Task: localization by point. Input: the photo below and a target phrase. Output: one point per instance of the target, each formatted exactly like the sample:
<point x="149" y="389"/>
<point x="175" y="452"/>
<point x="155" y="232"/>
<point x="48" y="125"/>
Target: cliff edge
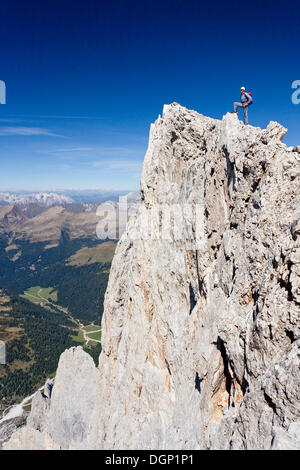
<point x="201" y="320"/>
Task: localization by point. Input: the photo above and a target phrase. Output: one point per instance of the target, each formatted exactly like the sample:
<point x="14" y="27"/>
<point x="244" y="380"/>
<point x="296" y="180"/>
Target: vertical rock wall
<point x="201" y="323"/>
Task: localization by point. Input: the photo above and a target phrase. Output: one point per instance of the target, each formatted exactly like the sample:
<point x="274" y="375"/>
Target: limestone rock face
<point x="287" y="439"/>
<point x="201" y="323"/>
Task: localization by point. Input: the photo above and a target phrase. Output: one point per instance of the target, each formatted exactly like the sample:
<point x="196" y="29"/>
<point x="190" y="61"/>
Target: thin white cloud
<point x="26" y="131"/>
<point x="96" y="152"/>
<point x="75" y="149"/>
<point x="130" y="165"/>
<point x="101" y="149"/>
<point x="12" y="120"/>
<point x="54" y="116"/>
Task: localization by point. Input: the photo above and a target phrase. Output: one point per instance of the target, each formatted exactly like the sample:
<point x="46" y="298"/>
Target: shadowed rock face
<point x="201" y="325"/>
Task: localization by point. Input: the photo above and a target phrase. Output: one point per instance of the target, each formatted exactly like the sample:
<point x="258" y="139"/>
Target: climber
<point x="246" y="100"/>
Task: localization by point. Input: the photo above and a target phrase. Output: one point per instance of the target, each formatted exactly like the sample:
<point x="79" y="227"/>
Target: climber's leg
<point x="246" y="115"/>
<point x="235" y="106"/>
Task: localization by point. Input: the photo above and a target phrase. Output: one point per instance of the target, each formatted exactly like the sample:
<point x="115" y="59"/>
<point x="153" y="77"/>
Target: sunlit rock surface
<point x="201" y="323"/>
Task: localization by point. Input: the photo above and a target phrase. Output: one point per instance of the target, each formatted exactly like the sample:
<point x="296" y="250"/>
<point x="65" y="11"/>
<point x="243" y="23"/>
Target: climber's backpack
<point x="250" y="94"/>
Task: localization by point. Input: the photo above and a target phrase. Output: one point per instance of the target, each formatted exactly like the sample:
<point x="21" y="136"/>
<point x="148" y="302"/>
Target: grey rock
<point x="73" y="399"/>
<point x="8" y="428"/>
<point x="201" y="316"/>
<point x="39" y="408"/>
<point x="48" y="388"/>
<point x="287" y="439"/>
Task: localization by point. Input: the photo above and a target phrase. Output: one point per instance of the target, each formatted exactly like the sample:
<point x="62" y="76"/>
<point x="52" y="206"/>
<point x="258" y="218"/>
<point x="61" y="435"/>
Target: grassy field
<point x="38" y="294"/>
<point x="78" y="338"/>
<point x="102" y="253"/>
<point x="96" y="336"/>
<point x="91" y="328"/>
<point x="27" y="408"/>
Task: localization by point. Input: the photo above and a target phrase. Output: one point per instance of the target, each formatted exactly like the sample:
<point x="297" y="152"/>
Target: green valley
<point x="51" y="298"/>
<point x="73" y="274"/>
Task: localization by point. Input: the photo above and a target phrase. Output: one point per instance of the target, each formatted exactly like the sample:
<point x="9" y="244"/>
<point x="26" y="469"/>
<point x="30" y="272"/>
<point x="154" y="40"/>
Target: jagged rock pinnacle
<point x="201" y="322"/>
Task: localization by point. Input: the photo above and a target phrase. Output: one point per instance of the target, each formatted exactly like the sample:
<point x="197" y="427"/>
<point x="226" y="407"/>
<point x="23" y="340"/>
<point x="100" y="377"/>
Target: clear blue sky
<point x="86" y="78"/>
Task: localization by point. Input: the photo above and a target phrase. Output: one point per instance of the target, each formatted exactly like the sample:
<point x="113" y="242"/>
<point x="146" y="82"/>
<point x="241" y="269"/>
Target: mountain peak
<point x="200" y="338"/>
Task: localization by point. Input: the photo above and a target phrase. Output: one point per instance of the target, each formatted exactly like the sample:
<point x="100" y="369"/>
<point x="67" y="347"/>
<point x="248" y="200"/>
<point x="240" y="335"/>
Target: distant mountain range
<point x="40" y="217"/>
<point x="45" y="199"/>
<point x="63" y="198"/>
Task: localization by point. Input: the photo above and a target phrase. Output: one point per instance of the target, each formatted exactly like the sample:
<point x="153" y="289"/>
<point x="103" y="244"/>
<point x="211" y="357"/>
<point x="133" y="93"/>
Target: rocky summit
<point x="201" y="323"/>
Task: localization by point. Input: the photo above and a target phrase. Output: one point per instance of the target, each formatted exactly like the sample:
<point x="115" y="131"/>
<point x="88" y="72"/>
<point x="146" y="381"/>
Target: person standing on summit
<point x="246" y="100"/>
